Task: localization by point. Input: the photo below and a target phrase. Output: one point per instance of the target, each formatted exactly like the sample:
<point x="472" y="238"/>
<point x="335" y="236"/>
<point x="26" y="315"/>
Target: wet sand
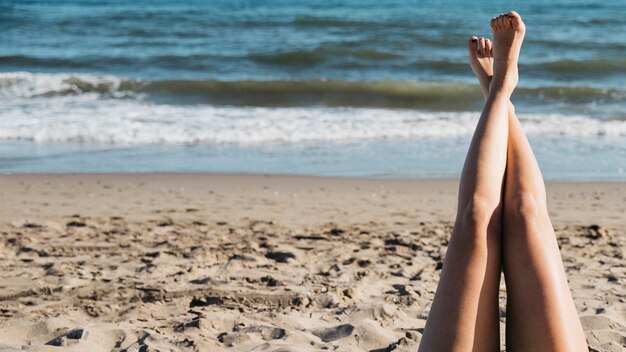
<point x="212" y="262"/>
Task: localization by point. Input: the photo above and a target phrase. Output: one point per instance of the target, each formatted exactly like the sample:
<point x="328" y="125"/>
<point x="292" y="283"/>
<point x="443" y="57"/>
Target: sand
<point x="203" y="262"/>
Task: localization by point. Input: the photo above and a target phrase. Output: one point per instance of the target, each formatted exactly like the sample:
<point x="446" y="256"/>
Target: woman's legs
<point x="540" y="313"/>
<point x="464" y="314"/>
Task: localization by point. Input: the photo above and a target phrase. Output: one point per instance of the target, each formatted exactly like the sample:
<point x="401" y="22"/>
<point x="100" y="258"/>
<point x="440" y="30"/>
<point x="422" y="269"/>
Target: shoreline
<point x="263" y="174"/>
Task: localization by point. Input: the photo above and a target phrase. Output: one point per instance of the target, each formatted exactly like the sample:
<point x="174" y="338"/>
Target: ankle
<point x="503" y="85"/>
<point x="499" y="94"/>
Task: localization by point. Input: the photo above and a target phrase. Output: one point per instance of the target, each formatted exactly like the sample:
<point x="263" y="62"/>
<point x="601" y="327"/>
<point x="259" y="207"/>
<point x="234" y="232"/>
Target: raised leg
<point x="464" y="314"/>
<point x="540" y="312"/>
<point x="541" y="315"/>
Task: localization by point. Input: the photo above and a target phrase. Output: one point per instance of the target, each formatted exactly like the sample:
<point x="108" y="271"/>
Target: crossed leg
<point x="540" y="311"/>
<point x="464" y="314"/>
<point x="541" y="315"/>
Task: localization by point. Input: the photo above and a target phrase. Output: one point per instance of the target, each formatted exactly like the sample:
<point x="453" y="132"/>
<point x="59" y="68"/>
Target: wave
<point x="344" y="56"/>
<point x="325" y="22"/>
<point x="95" y="62"/>
<point x="290" y="58"/>
<point x="608" y="66"/>
<point x="355" y="24"/>
<point x="445" y="96"/>
<point x="45" y="62"/>
<point x="297" y="57"/>
<point x="129" y="122"/>
<point x="313" y="57"/>
<point x="33" y="85"/>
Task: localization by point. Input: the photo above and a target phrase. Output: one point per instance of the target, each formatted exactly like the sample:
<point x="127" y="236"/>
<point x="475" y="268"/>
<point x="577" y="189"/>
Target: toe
<point x="501" y="22"/>
<point x="493" y="23"/>
<point x="471" y="43"/>
<point x="514" y="14"/>
<point x="516" y="20"/>
<point x="496" y="22"/>
<point x="481" y="47"/>
<point x="506" y="22"/>
<point x="488" y="48"/>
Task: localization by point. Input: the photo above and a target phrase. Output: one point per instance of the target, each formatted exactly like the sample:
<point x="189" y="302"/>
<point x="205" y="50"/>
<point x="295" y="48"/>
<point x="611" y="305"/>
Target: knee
<point x="477" y="214"/>
<point x="524" y="209"/>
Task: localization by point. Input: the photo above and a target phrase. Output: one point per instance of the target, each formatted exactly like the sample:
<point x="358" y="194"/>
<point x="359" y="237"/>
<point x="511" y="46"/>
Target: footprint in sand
<point x="280" y="257"/>
<point x="70" y="338"/>
<point x="334" y="333"/>
<point x="243" y="334"/>
<point x="594" y="322"/>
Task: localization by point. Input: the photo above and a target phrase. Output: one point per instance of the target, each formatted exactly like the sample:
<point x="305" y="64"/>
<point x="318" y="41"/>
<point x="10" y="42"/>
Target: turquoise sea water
<point x="359" y="88"/>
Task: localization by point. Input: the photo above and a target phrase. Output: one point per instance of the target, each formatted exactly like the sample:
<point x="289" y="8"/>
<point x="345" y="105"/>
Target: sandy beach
<point x="215" y="262"/>
<point x="282" y="176"/>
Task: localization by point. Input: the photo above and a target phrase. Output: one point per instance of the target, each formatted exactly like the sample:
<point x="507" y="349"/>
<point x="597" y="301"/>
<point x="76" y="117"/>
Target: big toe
<point x="472" y="44"/>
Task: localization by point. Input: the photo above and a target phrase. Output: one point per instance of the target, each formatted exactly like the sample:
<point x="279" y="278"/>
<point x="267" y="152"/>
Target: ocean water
<point x="323" y="87"/>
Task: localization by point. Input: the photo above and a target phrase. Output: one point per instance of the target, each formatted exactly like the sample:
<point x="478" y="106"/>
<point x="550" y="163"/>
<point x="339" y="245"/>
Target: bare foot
<point x="481" y="61"/>
<point x="508" y="34"/>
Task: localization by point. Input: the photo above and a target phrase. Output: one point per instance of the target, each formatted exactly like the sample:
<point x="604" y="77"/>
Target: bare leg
<point x="464" y="314"/>
<point x="540" y="315"/>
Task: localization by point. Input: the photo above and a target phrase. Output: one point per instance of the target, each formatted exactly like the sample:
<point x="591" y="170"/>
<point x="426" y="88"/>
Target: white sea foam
<point x="92" y="119"/>
<point x="29" y="85"/>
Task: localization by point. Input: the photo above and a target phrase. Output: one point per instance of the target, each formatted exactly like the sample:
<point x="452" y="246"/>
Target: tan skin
<point x="502" y="223"/>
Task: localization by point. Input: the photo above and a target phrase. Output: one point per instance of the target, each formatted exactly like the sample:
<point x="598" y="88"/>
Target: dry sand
<point x="146" y="262"/>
